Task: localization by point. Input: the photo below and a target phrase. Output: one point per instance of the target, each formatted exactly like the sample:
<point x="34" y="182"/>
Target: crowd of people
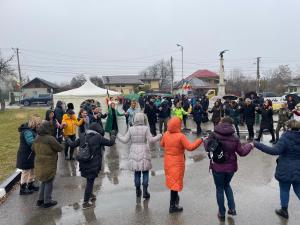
<point x="41" y="140"/>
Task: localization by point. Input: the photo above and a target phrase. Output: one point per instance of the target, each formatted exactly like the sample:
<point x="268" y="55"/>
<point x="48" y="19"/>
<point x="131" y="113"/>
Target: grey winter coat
<point x="139" y="156"/>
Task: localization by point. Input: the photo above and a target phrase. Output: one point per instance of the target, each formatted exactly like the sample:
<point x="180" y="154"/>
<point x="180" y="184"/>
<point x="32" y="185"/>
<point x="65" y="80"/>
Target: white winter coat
<point x="139" y="156"/>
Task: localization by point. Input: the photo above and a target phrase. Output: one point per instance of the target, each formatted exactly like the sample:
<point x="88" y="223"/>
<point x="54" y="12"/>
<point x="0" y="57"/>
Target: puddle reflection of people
<point x="113" y="164"/>
<point x="89" y="216"/>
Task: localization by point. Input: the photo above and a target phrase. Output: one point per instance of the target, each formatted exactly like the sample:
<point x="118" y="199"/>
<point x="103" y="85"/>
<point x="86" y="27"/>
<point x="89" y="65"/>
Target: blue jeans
<point x="137" y="178"/>
<point x="222" y="182"/>
<point x="285" y="192"/>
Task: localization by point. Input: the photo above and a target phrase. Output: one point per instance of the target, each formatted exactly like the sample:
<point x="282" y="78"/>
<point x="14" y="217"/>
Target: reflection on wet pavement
<point x="254" y="186"/>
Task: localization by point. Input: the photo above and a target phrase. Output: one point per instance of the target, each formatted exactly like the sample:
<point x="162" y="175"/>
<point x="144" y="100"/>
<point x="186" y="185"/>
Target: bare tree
<point x="97" y="80"/>
<point x="7" y="76"/>
<point x="77" y="81"/>
<point x="160" y="70"/>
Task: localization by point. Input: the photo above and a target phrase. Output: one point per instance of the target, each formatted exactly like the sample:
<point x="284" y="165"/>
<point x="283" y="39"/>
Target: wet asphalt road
<point x="255" y="189"/>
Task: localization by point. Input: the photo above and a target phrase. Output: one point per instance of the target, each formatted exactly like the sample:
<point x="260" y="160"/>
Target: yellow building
<point x="123" y="84"/>
<point x="128" y="84"/>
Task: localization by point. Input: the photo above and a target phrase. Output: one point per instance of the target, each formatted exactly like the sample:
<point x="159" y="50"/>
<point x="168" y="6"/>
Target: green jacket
<point x="179" y="112"/>
<point x="46" y="148"/>
<point x="109" y="120"/>
<point x="283" y="116"/>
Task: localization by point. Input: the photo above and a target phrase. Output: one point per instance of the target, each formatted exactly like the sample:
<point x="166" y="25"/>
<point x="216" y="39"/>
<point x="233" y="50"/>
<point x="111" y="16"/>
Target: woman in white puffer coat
<point x="139" y="159"/>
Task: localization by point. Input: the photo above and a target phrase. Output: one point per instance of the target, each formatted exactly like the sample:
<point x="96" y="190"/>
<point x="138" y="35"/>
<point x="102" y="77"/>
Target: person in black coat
<point x="185" y="105"/>
<point x="25" y="155"/>
<point x="90" y="169"/>
<point x="204" y="103"/>
<point x="151" y="112"/>
<point x="249" y="117"/>
<point x="217" y="113"/>
<point x="163" y="115"/>
<point x="288" y="163"/>
<point x="197" y="115"/>
<point x="97" y="115"/>
<point x="266" y="120"/>
<point x="58" y="114"/>
<point x="126" y="106"/>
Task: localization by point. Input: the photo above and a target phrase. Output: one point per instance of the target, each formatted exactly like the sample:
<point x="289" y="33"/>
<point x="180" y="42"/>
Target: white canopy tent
<point x="87" y="91"/>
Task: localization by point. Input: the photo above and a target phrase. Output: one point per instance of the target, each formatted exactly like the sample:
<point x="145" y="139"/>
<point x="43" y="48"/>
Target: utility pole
<point x="19" y="68"/>
<point x="172" y="75"/>
<point x="181" y="48"/>
<point x="257" y="75"/>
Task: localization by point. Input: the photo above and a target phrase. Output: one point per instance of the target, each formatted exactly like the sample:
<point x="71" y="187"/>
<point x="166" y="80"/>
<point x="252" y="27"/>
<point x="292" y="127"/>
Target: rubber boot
<point x="175" y="208"/>
<point x="283" y="212"/>
<point x="33" y="187"/>
<point x="146" y="194"/>
<point x="24" y="190"/>
<point x="138" y="191"/>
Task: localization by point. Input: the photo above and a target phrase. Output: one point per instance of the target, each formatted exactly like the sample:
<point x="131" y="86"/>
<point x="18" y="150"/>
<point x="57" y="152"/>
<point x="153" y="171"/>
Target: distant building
<point x="123" y="84"/>
<point x="38" y="86"/>
<point x="199" y="82"/>
<point x="294" y="86"/>
<point x="128" y="84"/>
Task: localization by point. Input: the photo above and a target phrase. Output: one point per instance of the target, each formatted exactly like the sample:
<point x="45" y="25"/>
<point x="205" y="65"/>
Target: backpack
<point x="215" y="151"/>
<point x="84" y="153"/>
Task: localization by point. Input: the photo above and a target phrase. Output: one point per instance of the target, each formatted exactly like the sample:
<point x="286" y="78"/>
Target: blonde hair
<point x="293" y="124"/>
<point x="34" y="121"/>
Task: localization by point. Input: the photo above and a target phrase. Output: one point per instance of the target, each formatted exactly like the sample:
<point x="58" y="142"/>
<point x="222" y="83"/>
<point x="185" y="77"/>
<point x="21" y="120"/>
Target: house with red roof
<point x="199" y="82"/>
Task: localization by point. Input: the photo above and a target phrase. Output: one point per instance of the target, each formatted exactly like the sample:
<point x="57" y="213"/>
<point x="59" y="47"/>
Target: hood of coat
<point x="96" y="127"/>
<point x="174" y="125"/>
<point x="293" y="137"/>
<point x="23" y="127"/>
<point x="59" y="104"/>
<point x="44" y="128"/>
<point x="224" y="129"/>
<point x="139" y="119"/>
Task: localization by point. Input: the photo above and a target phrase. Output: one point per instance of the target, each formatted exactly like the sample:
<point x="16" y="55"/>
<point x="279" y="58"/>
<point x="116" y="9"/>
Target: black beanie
<point x="70" y="106"/>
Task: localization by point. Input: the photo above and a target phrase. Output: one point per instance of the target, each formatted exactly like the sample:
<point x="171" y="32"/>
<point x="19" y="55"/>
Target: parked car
<point x="40" y="99"/>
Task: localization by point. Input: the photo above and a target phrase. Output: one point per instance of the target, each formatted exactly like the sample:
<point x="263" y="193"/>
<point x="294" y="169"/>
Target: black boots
<point x="146" y="194"/>
<point x="24" y="190"/>
<point x="283" y="212"/>
<point x="49" y="204"/>
<point x="138" y="191"/>
<point x="174" y="203"/>
<point x="33" y="187"/>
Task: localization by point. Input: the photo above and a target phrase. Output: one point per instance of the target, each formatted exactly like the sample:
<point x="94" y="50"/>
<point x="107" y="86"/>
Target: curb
<point x="9" y="183"/>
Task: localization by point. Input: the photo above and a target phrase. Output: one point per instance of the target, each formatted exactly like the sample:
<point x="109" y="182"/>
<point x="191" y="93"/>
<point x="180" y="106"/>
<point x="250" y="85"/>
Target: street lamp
<point x="181" y="48"/>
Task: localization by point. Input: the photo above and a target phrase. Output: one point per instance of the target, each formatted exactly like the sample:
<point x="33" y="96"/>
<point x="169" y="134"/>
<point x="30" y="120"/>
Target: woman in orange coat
<point x="174" y="144"/>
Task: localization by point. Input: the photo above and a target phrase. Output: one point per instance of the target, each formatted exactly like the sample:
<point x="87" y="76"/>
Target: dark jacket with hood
<point x="96" y="141"/>
<point x="164" y="110"/>
<point x="288" y="162"/>
<point x="150" y="111"/>
<point x="25" y="155"/>
<point x="46" y="148"/>
<point x="58" y="111"/>
<point x="249" y="114"/>
<point x="197" y="113"/>
<point x="231" y="145"/>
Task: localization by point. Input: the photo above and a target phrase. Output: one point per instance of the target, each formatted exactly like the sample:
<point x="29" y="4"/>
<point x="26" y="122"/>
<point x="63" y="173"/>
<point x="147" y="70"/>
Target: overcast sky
<point x="61" y="38"/>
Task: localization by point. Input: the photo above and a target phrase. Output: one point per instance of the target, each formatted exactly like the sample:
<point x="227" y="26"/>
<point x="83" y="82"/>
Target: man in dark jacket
<point x="163" y="115"/>
<point x="151" y="112"/>
<point x="97" y="115"/>
<point x="185" y="105"/>
<point x="249" y="117"/>
<point x="58" y="113"/>
<point x="224" y="172"/>
<point x="90" y="169"/>
<point x="266" y="120"/>
<point x="288" y="163"/>
<point x="197" y="115"/>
